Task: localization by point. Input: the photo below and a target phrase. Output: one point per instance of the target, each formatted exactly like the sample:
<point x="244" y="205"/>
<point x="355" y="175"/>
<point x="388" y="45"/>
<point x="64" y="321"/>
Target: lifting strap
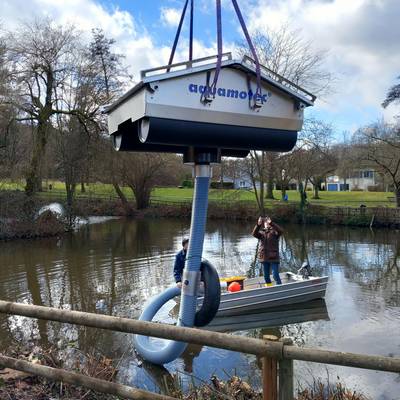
<point x="191" y="30"/>
<point x="258" y="98"/>
<point x="210" y="90"/>
<point x="178" y="33"/>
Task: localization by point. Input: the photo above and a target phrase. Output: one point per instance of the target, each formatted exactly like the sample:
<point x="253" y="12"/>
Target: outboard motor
<point x="305" y="271"/>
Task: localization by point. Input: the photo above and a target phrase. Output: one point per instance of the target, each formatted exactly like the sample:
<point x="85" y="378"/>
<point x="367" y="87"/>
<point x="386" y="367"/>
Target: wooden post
<point x="269" y="373"/>
<point x="286" y="374"/>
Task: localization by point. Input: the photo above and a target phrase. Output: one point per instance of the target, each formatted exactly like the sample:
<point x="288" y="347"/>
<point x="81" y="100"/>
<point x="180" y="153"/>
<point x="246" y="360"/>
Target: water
<point x="114" y="266"/>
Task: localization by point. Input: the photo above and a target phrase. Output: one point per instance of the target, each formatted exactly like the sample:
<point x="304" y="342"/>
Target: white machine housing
<point x="166" y="111"/>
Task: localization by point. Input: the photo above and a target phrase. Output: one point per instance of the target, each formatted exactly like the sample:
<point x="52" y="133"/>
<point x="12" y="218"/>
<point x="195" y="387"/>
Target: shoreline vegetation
<point x="19" y="218"/>
<point x="16" y="385"/>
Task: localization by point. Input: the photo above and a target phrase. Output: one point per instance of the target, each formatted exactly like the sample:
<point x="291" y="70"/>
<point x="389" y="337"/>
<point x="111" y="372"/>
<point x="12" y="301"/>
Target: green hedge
<point x="187" y="183"/>
<point x="223" y="185"/>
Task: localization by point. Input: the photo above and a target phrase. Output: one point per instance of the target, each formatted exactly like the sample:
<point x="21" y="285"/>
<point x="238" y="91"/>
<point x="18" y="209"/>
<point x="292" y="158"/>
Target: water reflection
<point x="112" y="268"/>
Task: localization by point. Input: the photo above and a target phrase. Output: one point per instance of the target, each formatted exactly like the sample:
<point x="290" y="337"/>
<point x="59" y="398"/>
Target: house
<point x="241" y="181"/>
<point x="358" y="179"/>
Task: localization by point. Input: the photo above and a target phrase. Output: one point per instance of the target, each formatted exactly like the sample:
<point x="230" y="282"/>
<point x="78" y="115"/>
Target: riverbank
<point x="16" y="385"/>
<point x="18" y="214"/>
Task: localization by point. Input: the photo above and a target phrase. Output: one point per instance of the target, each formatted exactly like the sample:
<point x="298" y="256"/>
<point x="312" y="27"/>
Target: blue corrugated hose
<point x="191" y="277"/>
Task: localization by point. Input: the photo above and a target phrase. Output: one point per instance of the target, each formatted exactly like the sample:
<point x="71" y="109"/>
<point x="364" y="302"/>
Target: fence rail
<point x="72" y="378"/>
<point x="280" y="351"/>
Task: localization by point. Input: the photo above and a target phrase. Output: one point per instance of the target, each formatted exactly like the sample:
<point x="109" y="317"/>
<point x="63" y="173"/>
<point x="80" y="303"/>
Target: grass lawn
<point x="171" y="194"/>
<point x="332" y="199"/>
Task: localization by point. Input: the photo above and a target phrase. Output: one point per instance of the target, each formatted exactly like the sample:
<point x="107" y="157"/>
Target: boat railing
<point x="276" y="355"/>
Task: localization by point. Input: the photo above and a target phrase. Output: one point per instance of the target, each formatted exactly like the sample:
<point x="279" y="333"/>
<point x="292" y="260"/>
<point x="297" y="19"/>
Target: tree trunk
<point x="303" y="200"/>
<point x="270" y="187"/>
<point x="33" y="177"/>
<point x="257" y="172"/>
<point x="398" y="196"/>
<point x="270" y="177"/>
<point x="83" y="189"/>
<point x="283" y="191"/>
<point x="316" y="187"/>
<point x="122" y="197"/>
<point x="70" y="189"/>
<point x="142" y="199"/>
<point x="316" y="191"/>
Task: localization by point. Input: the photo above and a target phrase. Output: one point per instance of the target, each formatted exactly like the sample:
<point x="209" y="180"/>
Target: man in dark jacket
<point x="180" y="259"/>
<point x="268" y="233"/>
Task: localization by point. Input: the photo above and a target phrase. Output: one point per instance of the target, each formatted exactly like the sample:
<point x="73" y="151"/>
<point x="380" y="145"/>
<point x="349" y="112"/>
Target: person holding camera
<point x="268" y="233"/>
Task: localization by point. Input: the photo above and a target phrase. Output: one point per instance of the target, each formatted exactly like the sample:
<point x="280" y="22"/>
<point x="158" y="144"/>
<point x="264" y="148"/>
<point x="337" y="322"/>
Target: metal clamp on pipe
<point x="190" y="282"/>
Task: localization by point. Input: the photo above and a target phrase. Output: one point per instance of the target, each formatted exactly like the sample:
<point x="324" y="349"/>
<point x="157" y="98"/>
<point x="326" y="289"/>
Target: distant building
<point x="361" y="179"/>
<point x="241" y="182"/>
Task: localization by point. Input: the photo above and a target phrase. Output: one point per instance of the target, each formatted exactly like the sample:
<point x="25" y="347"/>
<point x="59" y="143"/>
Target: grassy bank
<point x="177" y="195"/>
<point x="16" y="222"/>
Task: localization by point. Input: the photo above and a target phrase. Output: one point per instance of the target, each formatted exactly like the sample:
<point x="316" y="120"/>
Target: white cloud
<point x="170" y="16"/>
<point x="361" y="37"/>
<point x="138" y="46"/>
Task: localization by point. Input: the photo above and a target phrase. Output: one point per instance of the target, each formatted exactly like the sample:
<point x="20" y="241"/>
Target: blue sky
<point x="360" y="37"/>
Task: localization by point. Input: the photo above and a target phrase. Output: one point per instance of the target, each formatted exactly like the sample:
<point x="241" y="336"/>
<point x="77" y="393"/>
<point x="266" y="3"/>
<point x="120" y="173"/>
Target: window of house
<point x="242" y="183"/>
<point x="368" y="174"/>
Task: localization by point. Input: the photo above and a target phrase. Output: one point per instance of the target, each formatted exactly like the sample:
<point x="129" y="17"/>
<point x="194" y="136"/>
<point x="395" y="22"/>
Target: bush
<point x="357" y="220"/>
<point x="187" y="183"/>
<point x="222" y="185"/>
<point x="374" y="188"/>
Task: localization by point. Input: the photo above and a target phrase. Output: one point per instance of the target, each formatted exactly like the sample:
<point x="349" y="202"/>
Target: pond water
<point x="113" y="267"/>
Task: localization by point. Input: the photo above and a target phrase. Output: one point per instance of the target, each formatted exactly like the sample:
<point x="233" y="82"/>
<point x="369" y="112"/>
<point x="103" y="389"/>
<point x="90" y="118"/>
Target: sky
<point x="360" y="38"/>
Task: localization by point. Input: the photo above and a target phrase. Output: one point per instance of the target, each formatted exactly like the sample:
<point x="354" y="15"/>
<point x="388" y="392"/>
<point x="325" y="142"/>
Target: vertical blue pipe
<point x="193" y="259"/>
<point x="191" y="278"/>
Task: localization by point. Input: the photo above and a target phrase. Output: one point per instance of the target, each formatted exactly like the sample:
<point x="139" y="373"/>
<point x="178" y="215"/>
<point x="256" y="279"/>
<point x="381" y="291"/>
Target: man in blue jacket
<point x="180" y="259"/>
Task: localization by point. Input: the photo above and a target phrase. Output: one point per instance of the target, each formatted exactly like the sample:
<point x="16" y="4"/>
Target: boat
<point x="255" y="295"/>
<point x="271" y="317"/>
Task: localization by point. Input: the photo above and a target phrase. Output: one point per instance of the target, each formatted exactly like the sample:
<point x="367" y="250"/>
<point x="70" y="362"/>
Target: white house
<point x="241" y="181"/>
<point x="361" y="179"/>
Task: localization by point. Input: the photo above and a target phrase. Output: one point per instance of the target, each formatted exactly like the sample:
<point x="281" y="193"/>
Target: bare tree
<point x="3" y="70"/>
<point x="285" y="171"/>
<point x="393" y="95"/>
<point x="313" y="155"/>
<point x="140" y="172"/>
<point x="380" y="143"/>
<point x="232" y="168"/>
<point x="42" y="59"/>
<point x="345" y="158"/>
<point x="111" y="72"/>
<point x="12" y="151"/>
<point x="286" y="52"/>
<point x="73" y="137"/>
<point x="111" y="75"/>
<point x="254" y="168"/>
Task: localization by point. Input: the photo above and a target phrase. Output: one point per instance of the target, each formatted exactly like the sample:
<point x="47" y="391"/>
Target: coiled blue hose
<point x="191" y="278"/>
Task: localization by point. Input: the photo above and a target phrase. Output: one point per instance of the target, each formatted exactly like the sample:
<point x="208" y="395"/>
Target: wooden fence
<point x="376" y="215"/>
<point x="277" y="355"/>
